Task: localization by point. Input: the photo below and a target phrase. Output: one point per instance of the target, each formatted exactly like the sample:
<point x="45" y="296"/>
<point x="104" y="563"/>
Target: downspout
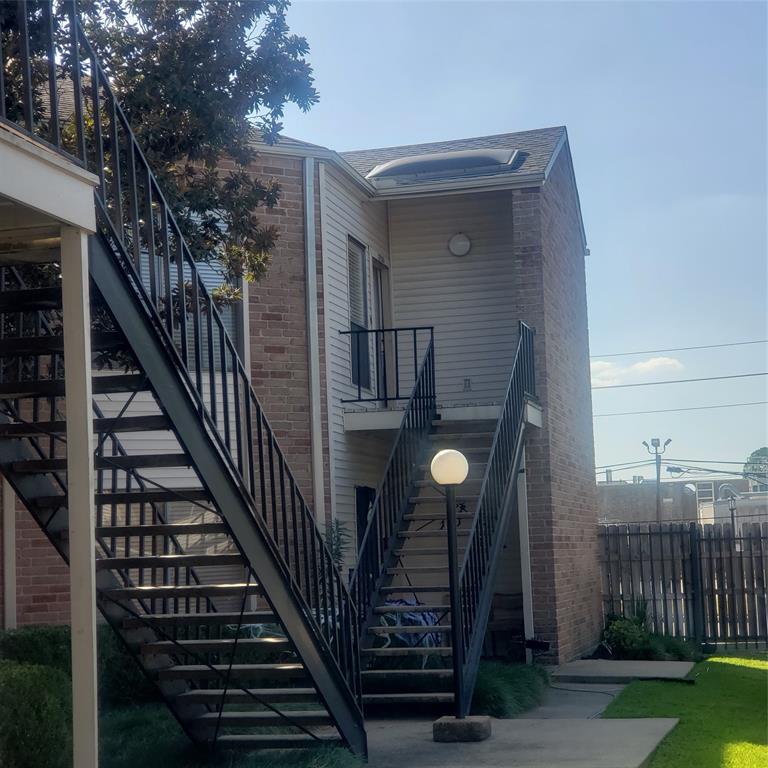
<point x="313" y="343"/>
<point x="9" y="556"/>
<point x="525" y="555"/>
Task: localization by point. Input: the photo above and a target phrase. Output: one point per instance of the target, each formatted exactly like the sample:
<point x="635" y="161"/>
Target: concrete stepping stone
<point x="609" y="671"/>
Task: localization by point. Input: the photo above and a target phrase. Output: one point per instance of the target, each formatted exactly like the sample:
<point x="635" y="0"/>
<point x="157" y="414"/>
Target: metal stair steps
<point x="385" y="609"/>
<point x="410" y="588"/>
<point x="169" y="561"/>
<point x="161" y="529"/>
<point x="246" y="696"/>
<point x="102" y="385"/>
<point x="410" y="629"/>
<point x="32" y="346"/>
<point x="408" y="698"/>
<point x="421" y="552"/>
<point x="192" y="619"/>
<point x="122" y="424"/>
<point x="285" y="718"/>
<point x="221" y="645"/>
<point x="172" y="591"/>
<point x="277" y="741"/>
<point x="417" y="569"/>
<point x="435" y="516"/>
<point x="420" y="674"/>
<point x="141" y="461"/>
<point x="429" y="533"/>
<point x="413" y="650"/>
<point x="441" y="500"/>
<point x="30" y="299"/>
<point x="151" y="495"/>
<point x="235" y="671"/>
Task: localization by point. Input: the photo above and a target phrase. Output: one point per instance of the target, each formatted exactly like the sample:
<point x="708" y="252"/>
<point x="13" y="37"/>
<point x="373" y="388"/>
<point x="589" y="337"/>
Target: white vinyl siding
<point x="467" y="299"/>
<point x="355" y="459"/>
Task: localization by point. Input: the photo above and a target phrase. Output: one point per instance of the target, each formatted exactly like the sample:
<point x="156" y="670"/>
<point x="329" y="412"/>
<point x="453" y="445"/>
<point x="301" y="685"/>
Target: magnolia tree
<point x="198" y="81"/>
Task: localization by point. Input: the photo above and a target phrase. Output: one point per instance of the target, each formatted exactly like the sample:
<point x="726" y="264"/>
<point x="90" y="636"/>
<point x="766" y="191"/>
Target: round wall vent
<point x="459" y="244"/>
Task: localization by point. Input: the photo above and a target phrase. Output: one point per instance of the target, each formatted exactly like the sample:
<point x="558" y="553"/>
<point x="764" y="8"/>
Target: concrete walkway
<point x="573" y="701"/>
<point x="608" y="671"/>
<point x="520" y="743"/>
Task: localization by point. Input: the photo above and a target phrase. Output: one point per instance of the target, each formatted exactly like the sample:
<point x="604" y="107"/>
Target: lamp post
<point x="449" y="468"/>
<point x="656" y="453"/>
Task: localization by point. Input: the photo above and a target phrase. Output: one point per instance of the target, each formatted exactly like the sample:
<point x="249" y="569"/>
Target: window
<point x="358" y="313"/>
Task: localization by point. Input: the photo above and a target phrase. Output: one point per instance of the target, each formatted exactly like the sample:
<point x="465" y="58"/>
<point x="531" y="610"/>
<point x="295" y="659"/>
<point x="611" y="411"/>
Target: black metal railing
<point x="485" y="540"/>
<point x="44" y="53"/>
<point x="391" y="499"/>
<point x="385" y="361"/>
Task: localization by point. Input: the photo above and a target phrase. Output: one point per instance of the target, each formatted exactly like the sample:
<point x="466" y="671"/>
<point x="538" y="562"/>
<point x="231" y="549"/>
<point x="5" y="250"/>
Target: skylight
<point x="443" y="162"/>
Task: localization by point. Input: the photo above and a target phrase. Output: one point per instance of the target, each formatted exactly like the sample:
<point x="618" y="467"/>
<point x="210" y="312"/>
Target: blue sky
<point x="665" y="105"/>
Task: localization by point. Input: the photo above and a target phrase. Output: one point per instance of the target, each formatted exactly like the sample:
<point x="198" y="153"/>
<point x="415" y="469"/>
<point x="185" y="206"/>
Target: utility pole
<point x="657" y="451"/>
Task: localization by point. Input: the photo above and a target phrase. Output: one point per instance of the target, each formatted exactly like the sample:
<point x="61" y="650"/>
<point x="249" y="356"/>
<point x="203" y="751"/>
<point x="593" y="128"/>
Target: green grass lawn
<point x="722" y="717"/>
<point x="149" y="737"/>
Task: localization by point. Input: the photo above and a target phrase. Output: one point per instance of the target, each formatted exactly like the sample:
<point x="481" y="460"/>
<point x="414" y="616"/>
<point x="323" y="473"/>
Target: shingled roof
<point x="535" y="150"/>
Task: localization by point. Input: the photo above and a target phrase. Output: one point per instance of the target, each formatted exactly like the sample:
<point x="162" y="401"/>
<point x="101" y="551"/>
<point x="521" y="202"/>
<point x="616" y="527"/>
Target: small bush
<point x="628" y="638"/>
<point x="47" y="646"/>
<point x="121" y="681"/>
<point x="506" y="690"/>
<point x="35" y="716"/>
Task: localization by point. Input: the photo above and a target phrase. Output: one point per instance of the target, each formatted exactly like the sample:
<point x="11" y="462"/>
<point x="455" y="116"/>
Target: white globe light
<point x="449" y="467"/>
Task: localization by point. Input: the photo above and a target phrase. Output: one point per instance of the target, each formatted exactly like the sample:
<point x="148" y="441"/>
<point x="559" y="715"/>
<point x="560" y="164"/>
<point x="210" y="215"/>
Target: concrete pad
<point x="520" y="744"/>
<point x="470" y="728"/>
<point x="609" y="671"/>
<point x="576" y="700"/>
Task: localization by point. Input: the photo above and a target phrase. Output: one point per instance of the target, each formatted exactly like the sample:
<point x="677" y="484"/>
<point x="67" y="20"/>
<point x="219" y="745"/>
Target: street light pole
<point x="656" y="453"/>
<point x="449" y="468"/>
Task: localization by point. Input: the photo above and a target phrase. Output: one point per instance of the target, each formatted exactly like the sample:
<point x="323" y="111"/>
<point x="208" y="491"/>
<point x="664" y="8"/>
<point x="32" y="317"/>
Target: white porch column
<point x="80" y="484"/>
<point x="525" y="555"/>
<point x="9" y="556"/>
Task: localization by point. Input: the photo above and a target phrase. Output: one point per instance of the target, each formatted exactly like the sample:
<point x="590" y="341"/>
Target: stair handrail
<point x="134" y="217"/>
<point x="391" y="500"/>
<point x="485" y="540"/>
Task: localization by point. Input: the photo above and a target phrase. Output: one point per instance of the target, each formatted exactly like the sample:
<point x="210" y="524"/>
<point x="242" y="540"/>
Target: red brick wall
<point x="562" y="505"/>
<point x="42" y="576"/>
<point x="278" y="321"/>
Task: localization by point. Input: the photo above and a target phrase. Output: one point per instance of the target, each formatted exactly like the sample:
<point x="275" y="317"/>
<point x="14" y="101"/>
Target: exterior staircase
<point x="210" y="565"/>
<point x="415" y="650"/>
<point x="407" y="650"/>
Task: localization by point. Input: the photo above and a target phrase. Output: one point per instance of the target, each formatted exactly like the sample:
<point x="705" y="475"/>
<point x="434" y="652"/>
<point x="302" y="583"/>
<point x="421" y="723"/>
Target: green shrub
<point x="121" y="681"/>
<point x="627" y="639"/>
<point x="47" y="646"/>
<point x="506" y="690"/>
<point x="35" y="716"/>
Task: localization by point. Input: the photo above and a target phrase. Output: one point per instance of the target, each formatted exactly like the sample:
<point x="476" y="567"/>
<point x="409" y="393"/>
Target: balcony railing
<point x="385" y="362"/>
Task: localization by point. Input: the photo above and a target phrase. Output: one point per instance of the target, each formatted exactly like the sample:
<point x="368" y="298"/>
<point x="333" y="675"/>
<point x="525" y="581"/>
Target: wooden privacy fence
<point x="696" y="582"/>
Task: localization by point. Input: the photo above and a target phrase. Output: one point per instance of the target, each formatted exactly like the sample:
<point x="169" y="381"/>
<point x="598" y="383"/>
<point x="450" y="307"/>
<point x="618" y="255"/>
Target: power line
<point x="675" y="410"/>
<point x="683" y="349"/>
<point x="682" y="381"/>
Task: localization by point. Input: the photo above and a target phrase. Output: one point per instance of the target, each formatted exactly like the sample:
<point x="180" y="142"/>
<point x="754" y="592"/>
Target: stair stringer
<point x="173" y="389"/>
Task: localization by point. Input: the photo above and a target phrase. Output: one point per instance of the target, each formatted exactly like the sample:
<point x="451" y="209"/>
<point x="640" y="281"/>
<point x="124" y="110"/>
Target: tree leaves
<point x="199" y="80"/>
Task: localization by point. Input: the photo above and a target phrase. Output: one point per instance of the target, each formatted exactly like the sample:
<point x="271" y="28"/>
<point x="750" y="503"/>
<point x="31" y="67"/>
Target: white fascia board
<point x="36" y="177"/>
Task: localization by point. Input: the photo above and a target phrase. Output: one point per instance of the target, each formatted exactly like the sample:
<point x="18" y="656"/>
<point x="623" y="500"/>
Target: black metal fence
<point x="696" y="582"/>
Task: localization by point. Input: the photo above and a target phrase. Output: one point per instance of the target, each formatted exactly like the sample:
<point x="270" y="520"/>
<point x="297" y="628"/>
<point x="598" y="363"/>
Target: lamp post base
<point x="470" y="728"/>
